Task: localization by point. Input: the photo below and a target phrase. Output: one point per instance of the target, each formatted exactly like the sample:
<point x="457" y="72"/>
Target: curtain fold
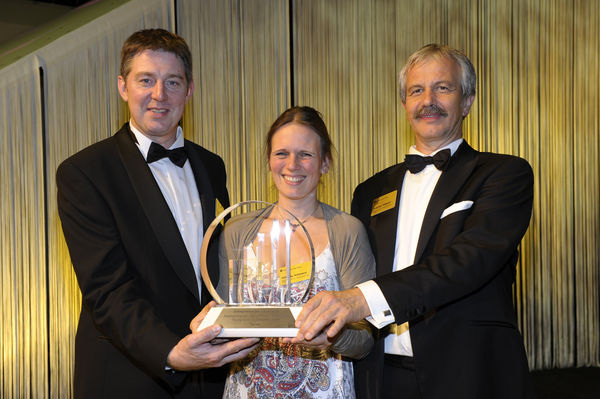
<point x="23" y="312"/>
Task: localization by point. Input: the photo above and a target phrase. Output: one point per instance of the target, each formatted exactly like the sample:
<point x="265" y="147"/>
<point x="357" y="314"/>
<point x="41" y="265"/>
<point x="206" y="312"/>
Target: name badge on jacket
<point x="384" y="203"/>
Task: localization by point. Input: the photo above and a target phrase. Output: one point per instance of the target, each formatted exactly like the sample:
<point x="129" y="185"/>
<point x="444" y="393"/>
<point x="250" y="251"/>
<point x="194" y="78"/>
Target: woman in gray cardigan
<point x="299" y="152"/>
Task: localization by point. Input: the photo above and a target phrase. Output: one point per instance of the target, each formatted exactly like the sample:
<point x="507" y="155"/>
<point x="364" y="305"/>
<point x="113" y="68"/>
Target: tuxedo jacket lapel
<point x="207" y="197"/>
<point x="151" y="200"/>
<point x="384" y="225"/>
<point x="451" y="181"/>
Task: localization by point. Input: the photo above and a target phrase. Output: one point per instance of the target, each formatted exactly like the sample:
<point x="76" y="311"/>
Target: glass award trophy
<point x="266" y="262"/>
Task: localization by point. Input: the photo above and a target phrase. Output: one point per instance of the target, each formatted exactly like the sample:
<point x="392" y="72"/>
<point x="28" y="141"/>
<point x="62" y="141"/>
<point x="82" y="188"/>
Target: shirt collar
<point x="143" y="142"/>
<point x="452" y="147"/>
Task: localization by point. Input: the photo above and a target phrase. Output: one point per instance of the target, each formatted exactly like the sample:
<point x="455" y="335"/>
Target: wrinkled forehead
<point x="438" y="58"/>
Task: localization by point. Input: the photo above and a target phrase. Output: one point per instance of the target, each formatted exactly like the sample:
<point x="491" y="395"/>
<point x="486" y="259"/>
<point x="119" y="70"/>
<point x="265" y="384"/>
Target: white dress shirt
<point x="414" y="199"/>
<point x="178" y="187"/>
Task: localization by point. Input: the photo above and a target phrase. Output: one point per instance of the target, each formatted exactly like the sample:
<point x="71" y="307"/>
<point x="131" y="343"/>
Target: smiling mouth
<point x="293" y="179"/>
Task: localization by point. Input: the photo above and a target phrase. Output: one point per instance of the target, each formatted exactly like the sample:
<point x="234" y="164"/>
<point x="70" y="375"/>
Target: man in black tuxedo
<point x="444" y="226"/>
<point x="133" y="215"/>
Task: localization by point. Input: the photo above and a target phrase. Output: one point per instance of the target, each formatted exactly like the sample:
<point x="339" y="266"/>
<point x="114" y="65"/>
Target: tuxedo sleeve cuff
<point x="175" y="378"/>
<point x="381" y="314"/>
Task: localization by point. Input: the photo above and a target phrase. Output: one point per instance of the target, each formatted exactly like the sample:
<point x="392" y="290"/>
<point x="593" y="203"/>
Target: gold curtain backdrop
<point x="538" y="64"/>
<point x="23" y="311"/>
<point x="242" y="82"/>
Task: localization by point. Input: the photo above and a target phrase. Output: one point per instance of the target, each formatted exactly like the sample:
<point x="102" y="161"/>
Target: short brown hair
<point x="155" y="40"/>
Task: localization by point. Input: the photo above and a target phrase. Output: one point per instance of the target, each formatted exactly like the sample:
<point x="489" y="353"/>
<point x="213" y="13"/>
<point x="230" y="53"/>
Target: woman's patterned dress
<point x="277" y="370"/>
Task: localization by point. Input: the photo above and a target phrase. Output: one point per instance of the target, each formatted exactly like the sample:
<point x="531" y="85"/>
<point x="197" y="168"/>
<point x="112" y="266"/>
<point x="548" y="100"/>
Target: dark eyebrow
<point x="170" y="76"/>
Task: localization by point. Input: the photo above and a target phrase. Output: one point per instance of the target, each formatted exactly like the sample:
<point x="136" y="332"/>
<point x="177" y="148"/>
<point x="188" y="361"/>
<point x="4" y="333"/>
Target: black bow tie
<point x="416" y="163"/>
<point x="177" y="155"/>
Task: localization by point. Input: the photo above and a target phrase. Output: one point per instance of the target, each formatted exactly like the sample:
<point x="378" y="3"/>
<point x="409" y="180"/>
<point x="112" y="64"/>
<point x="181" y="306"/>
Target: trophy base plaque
<point x="253" y="321"/>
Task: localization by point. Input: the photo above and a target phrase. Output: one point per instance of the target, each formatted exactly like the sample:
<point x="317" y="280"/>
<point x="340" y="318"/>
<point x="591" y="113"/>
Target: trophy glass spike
<point x="266" y="264"/>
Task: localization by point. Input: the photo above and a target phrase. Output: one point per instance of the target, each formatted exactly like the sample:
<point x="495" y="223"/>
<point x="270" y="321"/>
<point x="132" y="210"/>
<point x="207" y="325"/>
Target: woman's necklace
<point x="296" y="225"/>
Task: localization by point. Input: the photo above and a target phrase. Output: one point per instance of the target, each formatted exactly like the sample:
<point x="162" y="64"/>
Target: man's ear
<point x="122" y="88"/>
<point x="466" y="106"/>
<point x="190" y="90"/>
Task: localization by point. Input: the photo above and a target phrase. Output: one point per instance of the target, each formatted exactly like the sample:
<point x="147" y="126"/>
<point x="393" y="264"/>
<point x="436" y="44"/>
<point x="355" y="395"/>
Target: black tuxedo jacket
<point x="457" y="297"/>
<point x="139" y="290"/>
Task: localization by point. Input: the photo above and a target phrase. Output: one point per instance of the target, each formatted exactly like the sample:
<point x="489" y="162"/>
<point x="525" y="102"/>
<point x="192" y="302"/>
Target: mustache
<point x="432" y="109"/>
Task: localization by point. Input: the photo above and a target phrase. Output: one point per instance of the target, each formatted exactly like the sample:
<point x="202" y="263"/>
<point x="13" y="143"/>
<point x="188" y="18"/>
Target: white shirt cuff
<point x="381" y="314"/>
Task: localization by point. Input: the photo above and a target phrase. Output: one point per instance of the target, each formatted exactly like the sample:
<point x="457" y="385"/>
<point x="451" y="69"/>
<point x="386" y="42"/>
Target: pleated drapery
<point x="538" y="65"/>
<point x="23" y="310"/>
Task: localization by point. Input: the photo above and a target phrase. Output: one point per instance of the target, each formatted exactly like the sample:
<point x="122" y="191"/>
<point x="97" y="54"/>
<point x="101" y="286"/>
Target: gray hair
<point x="468" y="78"/>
